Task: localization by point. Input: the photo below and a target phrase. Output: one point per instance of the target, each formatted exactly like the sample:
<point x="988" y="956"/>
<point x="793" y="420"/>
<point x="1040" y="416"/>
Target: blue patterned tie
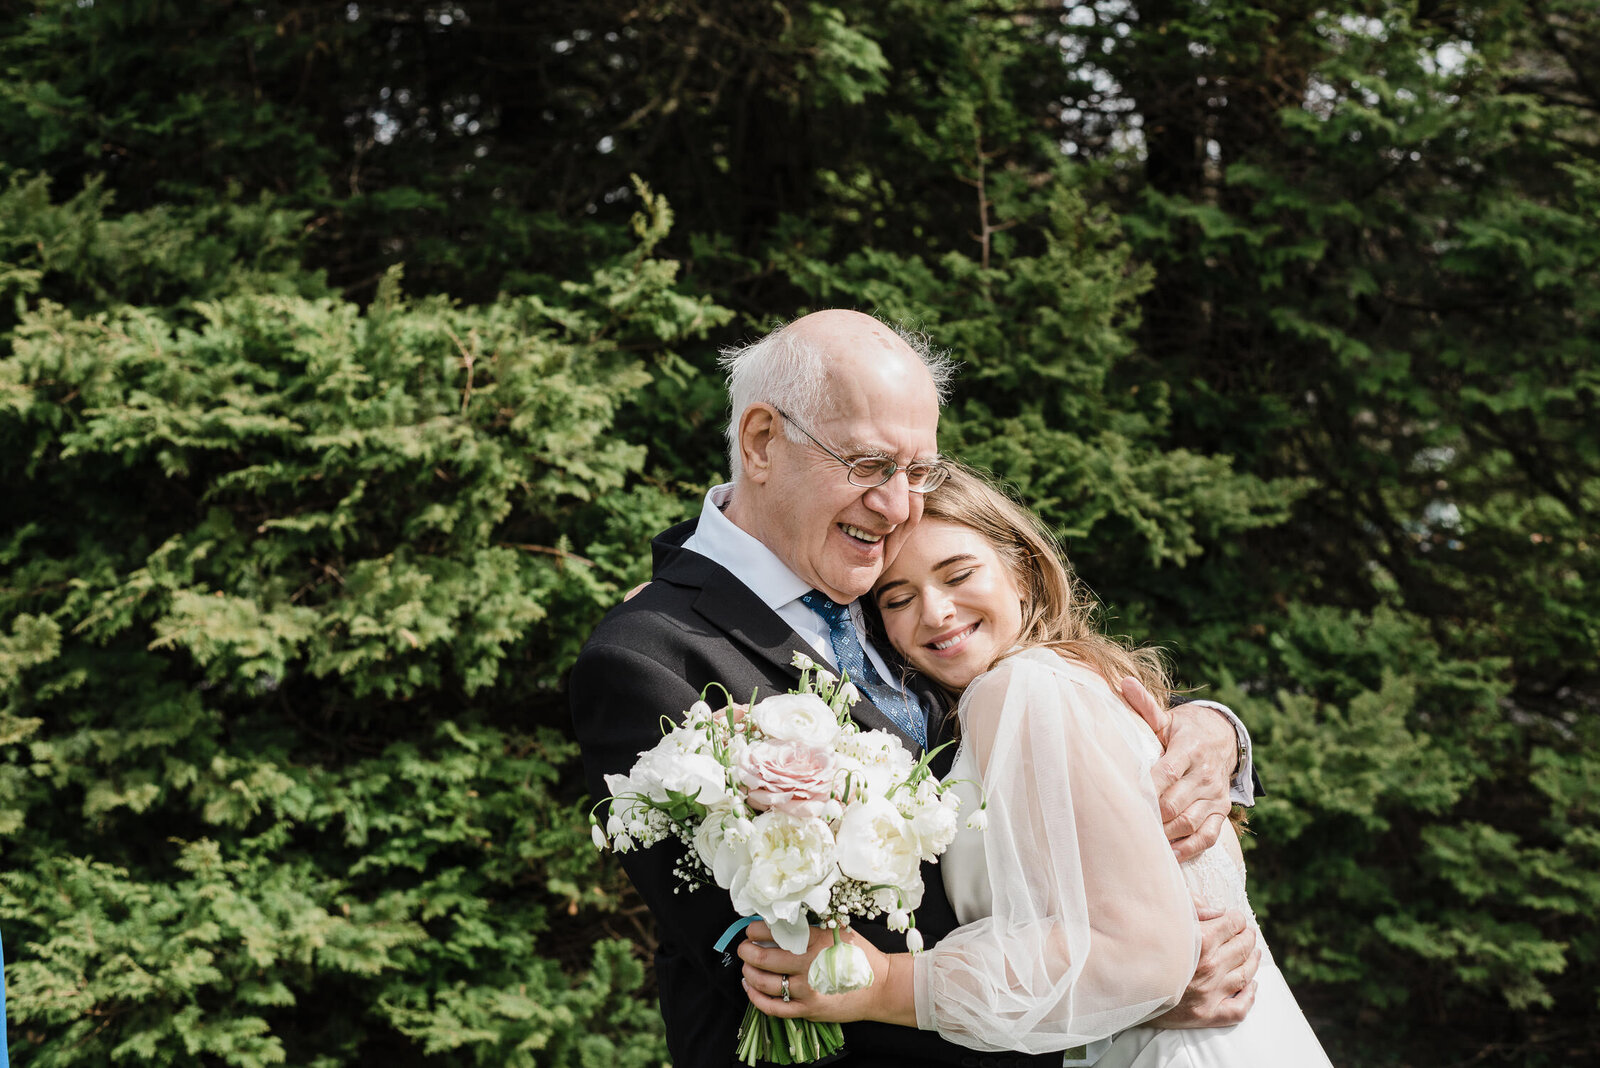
<point x="902" y="708"/>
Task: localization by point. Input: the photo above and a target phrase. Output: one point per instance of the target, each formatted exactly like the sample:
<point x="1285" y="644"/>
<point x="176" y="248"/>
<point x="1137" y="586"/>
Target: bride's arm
<point x="1092" y="928"/>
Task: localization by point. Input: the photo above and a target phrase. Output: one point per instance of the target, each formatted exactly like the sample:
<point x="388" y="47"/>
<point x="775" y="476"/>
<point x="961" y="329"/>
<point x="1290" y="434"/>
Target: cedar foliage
<point x="346" y="369"/>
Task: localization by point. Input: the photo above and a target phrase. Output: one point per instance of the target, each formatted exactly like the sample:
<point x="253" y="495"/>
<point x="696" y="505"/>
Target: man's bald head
<point x="803" y="366"/>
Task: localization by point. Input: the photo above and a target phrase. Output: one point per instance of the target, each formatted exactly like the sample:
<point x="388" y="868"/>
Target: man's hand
<point x="1224" y="985"/>
<point x="1194" y="776"/>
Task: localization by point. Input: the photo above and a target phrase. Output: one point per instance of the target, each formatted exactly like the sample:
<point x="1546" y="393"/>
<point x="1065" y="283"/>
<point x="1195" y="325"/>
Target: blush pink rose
<point x="789" y="776"/>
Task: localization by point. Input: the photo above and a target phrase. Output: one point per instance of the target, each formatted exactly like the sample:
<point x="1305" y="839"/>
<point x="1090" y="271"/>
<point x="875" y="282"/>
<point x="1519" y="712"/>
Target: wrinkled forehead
<point x="883" y="407"/>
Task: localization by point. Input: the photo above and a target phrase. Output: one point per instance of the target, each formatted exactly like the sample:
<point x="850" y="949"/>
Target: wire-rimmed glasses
<point x="869" y="472"/>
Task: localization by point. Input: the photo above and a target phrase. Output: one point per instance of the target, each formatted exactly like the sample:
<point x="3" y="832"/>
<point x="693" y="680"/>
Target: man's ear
<point x="758" y="427"/>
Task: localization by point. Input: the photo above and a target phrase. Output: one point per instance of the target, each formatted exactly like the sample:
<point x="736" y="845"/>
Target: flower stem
<point x="767" y="1038"/>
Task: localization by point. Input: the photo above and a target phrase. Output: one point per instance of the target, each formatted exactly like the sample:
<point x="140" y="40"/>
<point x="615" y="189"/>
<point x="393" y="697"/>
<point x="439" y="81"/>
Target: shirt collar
<point x="758" y="567"/>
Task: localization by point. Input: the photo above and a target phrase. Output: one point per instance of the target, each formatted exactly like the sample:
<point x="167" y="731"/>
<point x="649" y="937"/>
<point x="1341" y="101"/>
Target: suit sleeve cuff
<point x="1242" y="789"/>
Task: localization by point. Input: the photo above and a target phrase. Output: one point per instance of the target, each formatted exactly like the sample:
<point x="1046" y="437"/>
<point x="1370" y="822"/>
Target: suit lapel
<point x="732" y="608"/>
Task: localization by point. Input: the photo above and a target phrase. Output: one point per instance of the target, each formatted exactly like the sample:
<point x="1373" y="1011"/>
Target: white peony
<point x="871" y="763"/>
<point x="933" y="822"/>
<point x="877" y="844"/>
<point x="787" y="867"/>
<point x="719" y="840"/>
<point x="796" y="717"/>
<point x="878" y="748"/>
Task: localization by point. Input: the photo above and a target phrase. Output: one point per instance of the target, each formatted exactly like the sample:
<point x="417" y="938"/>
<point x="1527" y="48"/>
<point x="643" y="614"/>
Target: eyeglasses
<point x="869" y="472"/>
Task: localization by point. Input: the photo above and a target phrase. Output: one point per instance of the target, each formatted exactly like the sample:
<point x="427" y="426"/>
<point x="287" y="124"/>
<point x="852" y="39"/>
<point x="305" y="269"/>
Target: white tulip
<point x="839" y="969"/>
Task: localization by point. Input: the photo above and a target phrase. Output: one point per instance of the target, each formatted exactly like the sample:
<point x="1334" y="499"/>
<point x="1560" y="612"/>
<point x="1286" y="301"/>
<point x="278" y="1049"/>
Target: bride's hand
<point x="765" y="968"/>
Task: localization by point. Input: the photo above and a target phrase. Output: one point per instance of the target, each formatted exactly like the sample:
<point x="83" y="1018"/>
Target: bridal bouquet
<point x="802" y="817"/>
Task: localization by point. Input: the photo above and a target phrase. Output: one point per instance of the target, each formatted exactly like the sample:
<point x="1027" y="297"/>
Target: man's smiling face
<point x="837" y="536"/>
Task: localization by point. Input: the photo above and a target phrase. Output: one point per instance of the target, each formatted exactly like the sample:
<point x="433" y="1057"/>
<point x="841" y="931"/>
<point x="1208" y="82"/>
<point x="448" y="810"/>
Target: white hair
<point x="789" y="372"/>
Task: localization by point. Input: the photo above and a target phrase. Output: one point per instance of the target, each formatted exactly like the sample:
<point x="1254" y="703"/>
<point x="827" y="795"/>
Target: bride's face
<point x="949" y="603"/>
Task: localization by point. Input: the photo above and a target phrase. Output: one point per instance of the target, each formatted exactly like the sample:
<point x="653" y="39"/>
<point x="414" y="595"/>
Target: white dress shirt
<point x="769" y="578"/>
<point x="780" y="589"/>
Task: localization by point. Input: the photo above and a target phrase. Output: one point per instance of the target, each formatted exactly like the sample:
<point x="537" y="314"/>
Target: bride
<point x="1078" y="923"/>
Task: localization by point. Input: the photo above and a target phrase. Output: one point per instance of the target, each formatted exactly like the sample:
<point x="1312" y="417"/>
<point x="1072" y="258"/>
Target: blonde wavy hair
<point x="1057" y="611"/>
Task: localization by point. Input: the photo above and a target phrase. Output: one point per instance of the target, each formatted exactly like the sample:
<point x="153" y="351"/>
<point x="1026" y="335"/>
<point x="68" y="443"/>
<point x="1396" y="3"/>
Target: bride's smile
<point x="949" y="603"/>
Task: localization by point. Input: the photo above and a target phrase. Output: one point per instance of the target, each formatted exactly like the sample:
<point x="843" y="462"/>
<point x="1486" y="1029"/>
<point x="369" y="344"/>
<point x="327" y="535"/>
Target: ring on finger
<point x="786" y="988"/>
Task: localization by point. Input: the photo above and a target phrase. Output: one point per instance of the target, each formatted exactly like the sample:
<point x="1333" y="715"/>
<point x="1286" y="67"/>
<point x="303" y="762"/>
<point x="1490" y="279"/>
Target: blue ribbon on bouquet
<point x="727" y="936"/>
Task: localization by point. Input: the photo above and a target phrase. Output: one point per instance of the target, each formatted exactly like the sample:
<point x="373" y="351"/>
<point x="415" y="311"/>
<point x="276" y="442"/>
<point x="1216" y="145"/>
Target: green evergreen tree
<point x="1284" y="315"/>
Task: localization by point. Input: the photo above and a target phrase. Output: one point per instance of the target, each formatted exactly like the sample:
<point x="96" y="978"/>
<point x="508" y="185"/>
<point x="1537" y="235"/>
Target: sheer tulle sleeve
<point x="1093" y="928"/>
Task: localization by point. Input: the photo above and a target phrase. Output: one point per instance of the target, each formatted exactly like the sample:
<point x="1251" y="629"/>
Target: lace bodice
<point x="1217" y="877"/>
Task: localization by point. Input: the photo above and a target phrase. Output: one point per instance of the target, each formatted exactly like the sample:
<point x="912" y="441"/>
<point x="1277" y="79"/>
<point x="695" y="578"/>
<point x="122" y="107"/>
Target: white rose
<point x="673" y="766"/>
<point x="796" y="717"/>
<point x="877" y="844"/>
<point x="788" y="867"/>
<point x="839" y="969"/>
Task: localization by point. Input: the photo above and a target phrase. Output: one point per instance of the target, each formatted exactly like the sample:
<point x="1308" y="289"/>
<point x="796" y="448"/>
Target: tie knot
<point x="826" y="607"/>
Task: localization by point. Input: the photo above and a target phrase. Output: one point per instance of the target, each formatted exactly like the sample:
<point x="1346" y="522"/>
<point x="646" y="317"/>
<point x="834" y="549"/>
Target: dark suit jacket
<point x="650" y="657"/>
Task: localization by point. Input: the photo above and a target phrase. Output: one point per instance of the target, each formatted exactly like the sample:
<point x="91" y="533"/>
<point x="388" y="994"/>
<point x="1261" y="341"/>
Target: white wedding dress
<point x="1077" y="922"/>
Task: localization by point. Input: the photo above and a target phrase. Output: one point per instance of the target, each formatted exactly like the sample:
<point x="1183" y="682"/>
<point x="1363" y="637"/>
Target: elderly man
<point x="735" y="594"/>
